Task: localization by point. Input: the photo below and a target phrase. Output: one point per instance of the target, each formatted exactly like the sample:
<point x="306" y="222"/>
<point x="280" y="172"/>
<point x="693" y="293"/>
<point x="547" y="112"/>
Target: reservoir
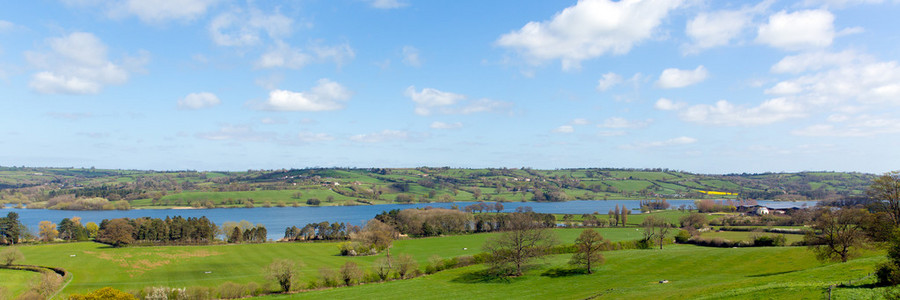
<point x="276" y="219"/>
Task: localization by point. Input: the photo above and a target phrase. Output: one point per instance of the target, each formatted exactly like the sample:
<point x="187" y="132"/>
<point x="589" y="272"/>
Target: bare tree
<point x="283" y="272"/>
<point x="383" y="267"/>
<point x="525" y="240"/>
<point x="588" y="246"/>
<point x="886" y="189"/>
<point x="656" y="229"/>
<point x="838" y="234"/>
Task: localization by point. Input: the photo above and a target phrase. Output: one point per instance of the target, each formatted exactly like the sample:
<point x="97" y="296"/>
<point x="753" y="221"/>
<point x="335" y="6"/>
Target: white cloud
<point x="676" y="78"/>
<point x="442" y="125"/>
<point x="725" y="113"/>
<point x="152" y="11"/>
<point x="861" y="126"/>
<point x="849" y="78"/>
<point x="411" y="56"/>
<point x="339" y="54"/>
<point x="272" y="121"/>
<point x="283" y="56"/>
<point x="383" y="136"/>
<point x="814" y="61"/>
<point x="564" y="129"/>
<point x="618" y="123"/>
<point x="719" y="28"/>
<point x="198" y="101"/>
<point x="480" y="105"/>
<point x="798" y="30"/>
<point x="784" y="88"/>
<point x="387" y="4"/>
<point x="840" y="3"/>
<point x="589" y="29"/>
<point x="326" y="95"/>
<point x="78" y="64"/>
<point x="666" y="104"/>
<point x="237" y="133"/>
<point x="239" y="28"/>
<point x="308" y="137"/>
<point x="6" y="25"/>
<point x="683" y="140"/>
<point x="430" y="98"/>
<point x="609" y="80"/>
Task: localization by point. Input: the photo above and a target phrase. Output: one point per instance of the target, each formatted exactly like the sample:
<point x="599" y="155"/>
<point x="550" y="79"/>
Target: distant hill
<point x="63" y="187"/>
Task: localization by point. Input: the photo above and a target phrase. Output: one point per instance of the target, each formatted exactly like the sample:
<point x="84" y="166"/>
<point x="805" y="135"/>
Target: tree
<point x="47" y="231"/>
<point x="524" y="241"/>
<point x="498" y="207"/>
<point x="886" y="190"/>
<point x="116" y="232"/>
<point x="10" y="255"/>
<point x="92" y="229"/>
<point x="376" y="235"/>
<point x="836" y="234"/>
<point x="350" y="273"/>
<point x="624" y="216"/>
<point x="655" y="229"/>
<point x="588" y="246"/>
<point x="406" y="265"/>
<point x="283" y="272"/>
<point x="694" y="220"/>
<point x="10" y="228"/>
<point x="383" y="267"/>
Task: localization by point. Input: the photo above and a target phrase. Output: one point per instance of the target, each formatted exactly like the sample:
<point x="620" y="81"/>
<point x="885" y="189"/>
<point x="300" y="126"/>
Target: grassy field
<point x="95" y="265"/>
<point x="693" y="272"/>
<point x="15" y="282"/>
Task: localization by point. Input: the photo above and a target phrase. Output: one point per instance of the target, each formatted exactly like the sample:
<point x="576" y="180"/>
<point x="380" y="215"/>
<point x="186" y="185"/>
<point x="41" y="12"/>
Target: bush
<point x="682" y="237"/>
<point x="313" y="201"/>
<point x="888" y="273"/>
<point x="769" y="241"/>
<point x="230" y="290"/>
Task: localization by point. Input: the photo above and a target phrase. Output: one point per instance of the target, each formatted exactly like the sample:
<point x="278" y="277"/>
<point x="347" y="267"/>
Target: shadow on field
<point x="564" y="272"/>
<point x="483" y="276"/>
<point x="771" y="274"/>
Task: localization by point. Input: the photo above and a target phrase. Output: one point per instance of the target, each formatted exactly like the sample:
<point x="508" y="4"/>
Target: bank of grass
<point x="96" y="265"/>
<point x="692" y="272"/>
<point x="748" y="236"/>
<point x="15" y="282"/>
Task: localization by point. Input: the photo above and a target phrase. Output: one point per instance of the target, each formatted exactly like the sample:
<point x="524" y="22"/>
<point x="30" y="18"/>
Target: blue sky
<point x="701" y="86"/>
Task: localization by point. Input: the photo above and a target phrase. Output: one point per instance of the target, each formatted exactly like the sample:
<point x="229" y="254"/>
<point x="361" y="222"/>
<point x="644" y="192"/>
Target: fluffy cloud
<point x="666" y="104"/>
<point x="580" y="121"/>
<point x="283" y="55"/>
<point x="383" y="136"/>
<point x="813" y="61"/>
<point x="411" y="56"/>
<point x="564" y="129"/>
<point x="683" y="140"/>
<point x="429" y="98"/>
<point x="198" y="101"/>
<point x="326" y="95"/>
<point x="589" y="29"/>
<point x="725" y="113"/>
<point x="798" y="30"/>
<point x="676" y="78"/>
<point x="619" y="123"/>
<point x="442" y="125"/>
<point x="387" y="4"/>
<point x="239" y="28"/>
<point x="608" y="80"/>
<point x="78" y="64"/>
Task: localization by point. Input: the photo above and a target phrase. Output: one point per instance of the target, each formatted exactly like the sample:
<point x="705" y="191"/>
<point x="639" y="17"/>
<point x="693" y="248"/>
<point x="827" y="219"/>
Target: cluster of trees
<point x="439" y="221"/>
<point x="11" y="229"/>
<point x="322" y="231"/>
<point x="655" y="204"/>
<point x="482" y="207"/>
<point x="174" y="230"/>
<point x="619" y="216"/>
<point x="243" y="232"/>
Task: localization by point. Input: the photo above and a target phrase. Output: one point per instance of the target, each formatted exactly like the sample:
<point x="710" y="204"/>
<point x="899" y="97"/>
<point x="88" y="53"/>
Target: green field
<point x="97" y="265"/>
<point x="748" y="236"/>
<point x="15" y="282"/>
<point x="692" y="271"/>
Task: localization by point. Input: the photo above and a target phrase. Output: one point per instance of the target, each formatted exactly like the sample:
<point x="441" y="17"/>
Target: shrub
<point x="682" y="237"/>
<point x="769" y="241"/>
<point x="230" y="290"/>
<point x="888" y="273"/>
<point x="313" y="201"/>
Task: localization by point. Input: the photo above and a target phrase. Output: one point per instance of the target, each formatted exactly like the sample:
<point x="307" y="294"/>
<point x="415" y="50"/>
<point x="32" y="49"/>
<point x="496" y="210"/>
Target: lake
<point x="276" y="219"/>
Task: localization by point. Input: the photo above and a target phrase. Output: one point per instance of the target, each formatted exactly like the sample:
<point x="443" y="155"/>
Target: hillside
<point x="69" y="188"/>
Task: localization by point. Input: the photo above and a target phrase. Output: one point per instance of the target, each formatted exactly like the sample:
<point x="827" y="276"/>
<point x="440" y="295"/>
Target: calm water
<point x="276" y="219"/>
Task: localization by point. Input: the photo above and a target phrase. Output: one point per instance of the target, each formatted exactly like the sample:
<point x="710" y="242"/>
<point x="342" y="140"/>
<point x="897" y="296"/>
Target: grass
<point x="96" y="265"/>
<point x="15" y="282"/>
<point x="692" y="271"/>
